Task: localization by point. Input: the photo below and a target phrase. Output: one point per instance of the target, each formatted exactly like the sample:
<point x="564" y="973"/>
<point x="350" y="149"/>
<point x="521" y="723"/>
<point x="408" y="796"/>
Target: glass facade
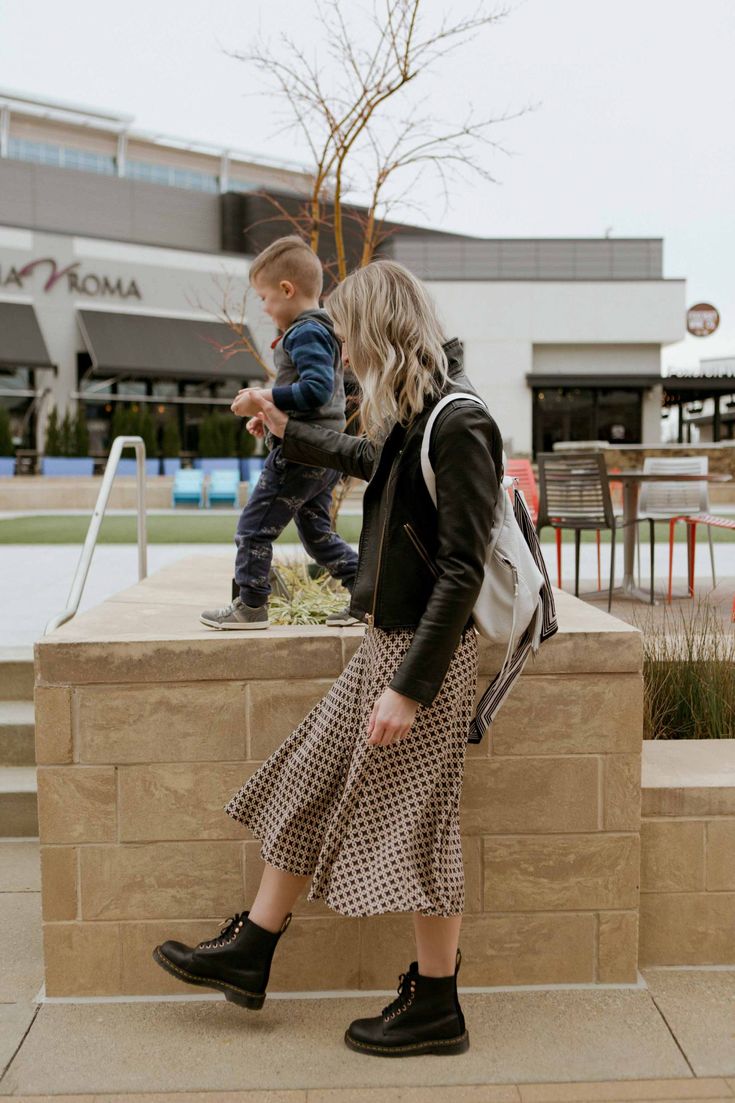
<point x="69" y="157"/>
<point x="48" y="153"/>
<point x="586" y="413"/>
<point x="171" y="176"/>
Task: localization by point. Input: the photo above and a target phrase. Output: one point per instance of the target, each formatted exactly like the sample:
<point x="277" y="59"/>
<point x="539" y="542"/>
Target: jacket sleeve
<point x="467" y="492"/>
<point x="312" y="351"/>
<point x="317" y="446"/>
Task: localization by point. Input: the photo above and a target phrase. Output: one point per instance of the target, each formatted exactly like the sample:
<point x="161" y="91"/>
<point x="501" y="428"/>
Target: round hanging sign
<point x="702" y="319"/>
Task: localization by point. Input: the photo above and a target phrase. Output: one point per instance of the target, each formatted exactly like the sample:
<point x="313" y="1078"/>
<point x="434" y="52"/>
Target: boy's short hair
<point x="289" y="258"/>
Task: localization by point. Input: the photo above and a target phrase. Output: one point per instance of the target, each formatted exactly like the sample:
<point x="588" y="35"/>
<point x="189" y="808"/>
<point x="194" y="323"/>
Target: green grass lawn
<point x="213" y="528"/>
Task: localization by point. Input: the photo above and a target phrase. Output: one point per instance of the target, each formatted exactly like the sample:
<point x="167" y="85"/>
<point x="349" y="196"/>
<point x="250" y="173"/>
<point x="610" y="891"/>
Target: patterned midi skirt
<point x="376" y="827"/>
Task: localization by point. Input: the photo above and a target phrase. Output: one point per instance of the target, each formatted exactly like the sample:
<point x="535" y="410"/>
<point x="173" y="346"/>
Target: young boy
<point x="309" y="383"/>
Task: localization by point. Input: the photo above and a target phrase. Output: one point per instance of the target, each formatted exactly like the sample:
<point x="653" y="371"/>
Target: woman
<point x="362" y="798"/>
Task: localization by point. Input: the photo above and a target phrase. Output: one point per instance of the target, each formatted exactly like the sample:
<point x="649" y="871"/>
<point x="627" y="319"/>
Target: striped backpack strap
<point x="543" y="625"/>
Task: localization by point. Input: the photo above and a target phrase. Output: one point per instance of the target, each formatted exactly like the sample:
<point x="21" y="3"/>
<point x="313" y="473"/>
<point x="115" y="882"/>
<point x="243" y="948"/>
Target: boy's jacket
<point x="330" y="414"/>
<point x="418" y="567"/>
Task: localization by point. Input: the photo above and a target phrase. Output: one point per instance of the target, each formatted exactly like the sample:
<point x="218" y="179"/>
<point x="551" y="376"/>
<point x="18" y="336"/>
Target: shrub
<point x="6" y="437"/>
<point x="66" y="434"/>
<point x="227" y="433"/>
<point x="217" y="434"/>
<point x="147" y="430"/>
<point x="208" y="437"/>
<point x="688" y="674"/>
<point x="53" y="436"/>
<point x="171" y="443"/>
<point x="80" y="434"/>
<point x="246" y="442"/>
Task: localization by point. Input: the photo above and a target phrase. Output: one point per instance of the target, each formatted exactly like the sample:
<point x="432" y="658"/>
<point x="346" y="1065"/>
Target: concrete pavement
<point x="668" y="1037"/>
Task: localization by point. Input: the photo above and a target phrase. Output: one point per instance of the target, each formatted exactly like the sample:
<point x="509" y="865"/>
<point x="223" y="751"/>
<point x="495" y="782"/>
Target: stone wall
<point x="146" y="723"/>
<point x="688" y="852"/>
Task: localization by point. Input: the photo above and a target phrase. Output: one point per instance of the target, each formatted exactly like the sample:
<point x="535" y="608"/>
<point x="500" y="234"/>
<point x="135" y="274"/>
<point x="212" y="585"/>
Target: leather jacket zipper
<point x="413" y="536"/>
<point x="370" y="617"/>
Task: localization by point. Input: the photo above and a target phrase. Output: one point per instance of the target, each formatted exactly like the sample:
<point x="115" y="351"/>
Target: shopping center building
<point x="121" y="252"/>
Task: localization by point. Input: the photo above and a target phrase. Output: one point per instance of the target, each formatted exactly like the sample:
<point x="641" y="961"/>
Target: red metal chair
<point x="523" y="471"/>
<point x="712" y="522"/>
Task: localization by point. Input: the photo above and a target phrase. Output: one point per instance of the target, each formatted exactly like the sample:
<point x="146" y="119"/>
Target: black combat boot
<point x="424" y="1018"/>
<point x="237" y="961"/>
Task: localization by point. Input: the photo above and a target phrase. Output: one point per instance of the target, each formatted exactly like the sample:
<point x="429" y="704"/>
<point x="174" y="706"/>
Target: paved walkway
<point x="670" y="1037"/>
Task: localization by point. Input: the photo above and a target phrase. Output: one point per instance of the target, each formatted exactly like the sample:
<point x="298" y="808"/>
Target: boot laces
<point x="229" y="932"/>
<point x="404" y="999"/>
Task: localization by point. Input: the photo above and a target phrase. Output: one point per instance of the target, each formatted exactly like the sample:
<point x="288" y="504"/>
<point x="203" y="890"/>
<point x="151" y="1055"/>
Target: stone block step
<point x="16" y="674"/>
<point x="18" y="801"/>
<point x="17" y="738"/>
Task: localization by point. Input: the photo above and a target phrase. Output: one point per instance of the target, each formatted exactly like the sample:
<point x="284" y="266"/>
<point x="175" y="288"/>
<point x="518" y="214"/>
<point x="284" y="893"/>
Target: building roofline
<point x="115" y="122"/>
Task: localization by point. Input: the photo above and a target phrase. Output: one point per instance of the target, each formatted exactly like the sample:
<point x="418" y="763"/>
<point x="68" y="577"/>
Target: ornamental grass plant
<point x="688" y="673"/>
<point x="303" y="594"/>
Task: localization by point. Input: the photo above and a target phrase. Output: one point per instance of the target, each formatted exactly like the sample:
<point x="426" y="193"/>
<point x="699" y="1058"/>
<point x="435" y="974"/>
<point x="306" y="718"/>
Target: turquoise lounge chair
<point x="224" y="486"/>
<point x="188" y="487"/>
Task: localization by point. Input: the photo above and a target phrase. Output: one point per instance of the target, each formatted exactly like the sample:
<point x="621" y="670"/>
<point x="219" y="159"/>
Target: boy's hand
<point x="256" y="426"/>
<point x="274" y="418"/>
<point x="246" y="401"/>
<point x="392" y="716"/>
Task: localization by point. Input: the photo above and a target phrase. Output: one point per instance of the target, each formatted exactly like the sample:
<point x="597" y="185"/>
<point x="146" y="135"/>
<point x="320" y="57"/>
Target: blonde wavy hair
<point x="394" y="342"/>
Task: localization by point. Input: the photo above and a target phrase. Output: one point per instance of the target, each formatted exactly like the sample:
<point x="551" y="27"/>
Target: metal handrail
<point x="85" y="559"/>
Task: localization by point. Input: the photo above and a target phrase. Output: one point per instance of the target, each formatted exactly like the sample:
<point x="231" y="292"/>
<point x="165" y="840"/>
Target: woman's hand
<point x="264" y="408"/>
<point x="392" y="716"/>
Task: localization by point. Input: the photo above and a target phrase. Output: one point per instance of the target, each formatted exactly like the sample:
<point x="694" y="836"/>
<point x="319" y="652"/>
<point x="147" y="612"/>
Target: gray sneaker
<point x="236" y="615"/>
<point x="343" y="618"/>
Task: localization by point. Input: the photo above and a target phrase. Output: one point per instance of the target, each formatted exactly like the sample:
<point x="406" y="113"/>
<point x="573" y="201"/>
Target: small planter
<point x="130" y="467"/>
<point x="223" y="463"/>
<point x="171" y="464"/>
<point x="7" y="465"/>
<point x="60" y="466"/>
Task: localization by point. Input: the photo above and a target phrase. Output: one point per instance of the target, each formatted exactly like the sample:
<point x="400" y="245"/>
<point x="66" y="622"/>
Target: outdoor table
<point x="631" y="480"/>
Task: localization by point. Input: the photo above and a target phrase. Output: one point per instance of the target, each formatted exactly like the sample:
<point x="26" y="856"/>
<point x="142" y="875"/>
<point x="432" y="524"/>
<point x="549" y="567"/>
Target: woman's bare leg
<point x="277" y="893"/>
<point x="436" y="943"/>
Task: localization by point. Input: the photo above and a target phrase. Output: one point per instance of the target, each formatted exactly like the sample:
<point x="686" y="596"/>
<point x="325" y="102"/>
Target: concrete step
<point x="17" y="737"/>
<point x="16" y="673"/>
<point x="18" y="803"/>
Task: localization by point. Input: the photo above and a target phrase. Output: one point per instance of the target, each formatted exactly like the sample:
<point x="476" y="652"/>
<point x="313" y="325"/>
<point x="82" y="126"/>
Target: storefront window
<point x="585" y="413"/>
<point x="15" y="383"/>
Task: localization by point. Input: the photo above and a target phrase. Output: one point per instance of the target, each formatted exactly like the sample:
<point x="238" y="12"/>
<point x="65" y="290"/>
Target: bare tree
<point x="340" y="124"/>
<point x="343" y="107"/>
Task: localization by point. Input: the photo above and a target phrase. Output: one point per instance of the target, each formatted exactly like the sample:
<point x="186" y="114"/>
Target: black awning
<point x="21" y="341"/>
<point x="598" y="379"/>
<point x="687" y="388"/>
<point x="175" y="348"/>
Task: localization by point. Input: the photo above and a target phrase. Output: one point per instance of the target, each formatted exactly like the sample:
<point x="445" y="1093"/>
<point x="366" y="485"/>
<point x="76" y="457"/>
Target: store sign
<point x="77" y="282"/>
<point x="702" y="319"/>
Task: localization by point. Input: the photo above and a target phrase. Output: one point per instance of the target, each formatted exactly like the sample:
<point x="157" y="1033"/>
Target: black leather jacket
<point x="419" y="567"/>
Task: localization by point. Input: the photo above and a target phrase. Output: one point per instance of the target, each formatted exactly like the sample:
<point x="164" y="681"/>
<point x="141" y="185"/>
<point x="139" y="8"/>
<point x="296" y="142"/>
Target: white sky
<point x="633" y="129"/>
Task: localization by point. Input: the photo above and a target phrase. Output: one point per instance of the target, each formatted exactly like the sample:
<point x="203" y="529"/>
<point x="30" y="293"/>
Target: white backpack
<point x="514" y="606"/>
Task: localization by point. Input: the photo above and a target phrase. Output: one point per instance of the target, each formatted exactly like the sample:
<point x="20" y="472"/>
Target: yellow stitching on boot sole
<point x="207" y="980"/>
<point x="414" y="1045"/>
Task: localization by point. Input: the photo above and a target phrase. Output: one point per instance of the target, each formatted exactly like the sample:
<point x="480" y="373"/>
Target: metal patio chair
<point x="674" y="501"/>
<point x="574" y="493"/>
